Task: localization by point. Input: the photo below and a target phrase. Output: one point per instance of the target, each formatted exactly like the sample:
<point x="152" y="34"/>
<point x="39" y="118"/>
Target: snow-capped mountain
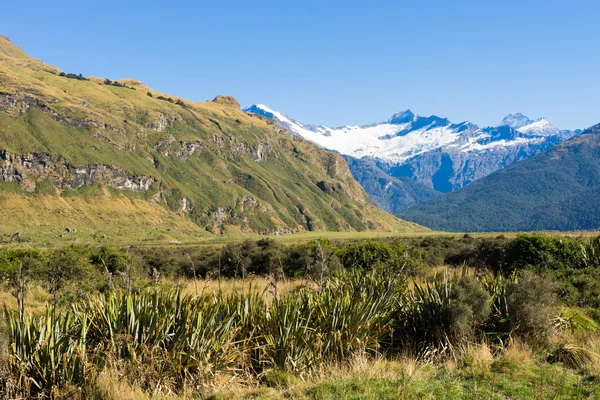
<point x="431" y="150"/>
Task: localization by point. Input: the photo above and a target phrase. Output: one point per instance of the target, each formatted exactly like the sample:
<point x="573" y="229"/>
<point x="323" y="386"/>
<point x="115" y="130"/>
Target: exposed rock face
<point x="447" y="169"/>
<point x="36" y="167"/>
<point x="110" y="176"/>
<point x="159" y="125"/>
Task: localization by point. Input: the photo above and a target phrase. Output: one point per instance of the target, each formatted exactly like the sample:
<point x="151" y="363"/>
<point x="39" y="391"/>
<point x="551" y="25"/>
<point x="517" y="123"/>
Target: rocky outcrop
<point x="29" y="168"/>
<point x="163" y="122"/>
<point x="110" y="176"/>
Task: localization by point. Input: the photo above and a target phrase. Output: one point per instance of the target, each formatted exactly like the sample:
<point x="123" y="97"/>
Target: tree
<point x="64" y="265"/>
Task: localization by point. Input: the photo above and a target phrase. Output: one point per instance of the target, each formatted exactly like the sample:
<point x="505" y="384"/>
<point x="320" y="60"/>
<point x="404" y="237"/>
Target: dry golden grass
<point x="110" y="386"/>
<point x="47" y="217"/>
<point x="35" y="302"/>
<point x="227" y="286"/>
<point x="519" y="352"/>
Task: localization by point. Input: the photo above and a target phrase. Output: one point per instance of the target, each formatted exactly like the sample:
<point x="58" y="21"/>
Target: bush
<point x="469" y="305"/>
<point x="371" y="254"/>
<point x="73" y="76"/>
<point x="542" y="251"/>
<point x="444" y="311"/>
<point x="170" y="100"/>
<point x="528" y="306"/>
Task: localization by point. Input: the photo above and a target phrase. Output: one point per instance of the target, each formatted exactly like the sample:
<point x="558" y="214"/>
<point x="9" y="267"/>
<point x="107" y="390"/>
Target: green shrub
<point x="543" y="251"/>
<point x="444" y="311"/>
<point x="528" y="306"/>
<point x="370" y="254"/>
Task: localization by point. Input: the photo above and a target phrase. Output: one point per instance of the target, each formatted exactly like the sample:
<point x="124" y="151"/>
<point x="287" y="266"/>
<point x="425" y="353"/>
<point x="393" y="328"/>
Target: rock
<point x="33" y="167"/>
<point x="159" y="125"/>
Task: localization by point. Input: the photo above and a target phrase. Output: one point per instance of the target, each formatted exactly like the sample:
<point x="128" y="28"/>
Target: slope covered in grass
<point x="208" y="164"/>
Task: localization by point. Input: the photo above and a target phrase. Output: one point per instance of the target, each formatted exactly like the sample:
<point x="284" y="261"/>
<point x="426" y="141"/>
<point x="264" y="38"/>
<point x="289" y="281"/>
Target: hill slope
<point x="117" y="156"/>
<point x="554" y="190"/>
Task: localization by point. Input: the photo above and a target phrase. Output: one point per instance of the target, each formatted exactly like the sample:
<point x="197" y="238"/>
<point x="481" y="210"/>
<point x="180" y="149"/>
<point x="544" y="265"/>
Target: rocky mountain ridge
<point x="432" y="150"/>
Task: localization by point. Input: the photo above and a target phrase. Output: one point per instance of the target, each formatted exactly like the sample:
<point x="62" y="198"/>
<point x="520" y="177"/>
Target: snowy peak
<point x="260" y="110"/>
<point x="402" y="117"/>
<point x="516" y="121"/>
<point x="541" y="127"/>
<point x="407" y="136"/>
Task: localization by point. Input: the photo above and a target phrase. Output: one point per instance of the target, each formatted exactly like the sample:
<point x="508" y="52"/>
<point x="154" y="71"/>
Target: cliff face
<point x="208" y="163"/>
<point x="28" y="169"/>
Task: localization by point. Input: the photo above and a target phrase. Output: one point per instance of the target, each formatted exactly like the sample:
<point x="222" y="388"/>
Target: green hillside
<point x="554" y="190"/>
<point x="95" y="157"/>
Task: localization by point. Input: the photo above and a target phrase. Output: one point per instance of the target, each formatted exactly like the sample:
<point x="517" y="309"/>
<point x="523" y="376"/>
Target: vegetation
<point x="116" y="83"/>
<point x="73" y="76"/>
<point x="538" y="193"/>
<point x="357" y="309"/>
<point x="170" y="100"/>
<point x="213" y="169"/>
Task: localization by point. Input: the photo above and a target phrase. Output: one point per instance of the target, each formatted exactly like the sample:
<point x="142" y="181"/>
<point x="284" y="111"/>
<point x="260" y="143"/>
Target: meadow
<point x="396" y="317"/>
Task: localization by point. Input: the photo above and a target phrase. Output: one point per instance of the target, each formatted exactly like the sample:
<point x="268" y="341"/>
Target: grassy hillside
<point x="116" y="156"/>
<point x="554" y="190"/>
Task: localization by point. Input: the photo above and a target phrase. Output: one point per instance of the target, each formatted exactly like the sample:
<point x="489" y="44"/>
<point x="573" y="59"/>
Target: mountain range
<point x="434" y="154"/>
<point x="96" y="158"/>
<point x="557" y="189"/>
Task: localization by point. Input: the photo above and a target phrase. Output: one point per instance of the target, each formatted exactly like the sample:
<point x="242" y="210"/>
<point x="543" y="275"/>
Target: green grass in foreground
<point x="499" y="379"/>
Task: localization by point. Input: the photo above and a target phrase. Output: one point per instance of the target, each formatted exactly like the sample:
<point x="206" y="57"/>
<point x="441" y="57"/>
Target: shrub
<point x="149" y="94"/>
<point x="574" y="357"/>
<point x="368" y="255"/>
<point x="528" y="306"/>
<point x="73" y="76"/>
<point x="443" y="311"/>
<point x="469" y="305"/>
<point x="542" y="251"/>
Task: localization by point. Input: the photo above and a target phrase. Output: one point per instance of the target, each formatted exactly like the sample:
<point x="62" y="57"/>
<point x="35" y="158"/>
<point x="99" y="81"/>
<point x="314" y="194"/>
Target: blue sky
<point x="334" y="62"/>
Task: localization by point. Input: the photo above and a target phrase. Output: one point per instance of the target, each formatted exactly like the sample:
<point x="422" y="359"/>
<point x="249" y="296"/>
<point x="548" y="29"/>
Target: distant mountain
<point x="516" y="121"/>
<point x="431" y="151"/>
<point x="554" y="190"/>
<point x="115" y="158"/>
<point x="390" y="193"/>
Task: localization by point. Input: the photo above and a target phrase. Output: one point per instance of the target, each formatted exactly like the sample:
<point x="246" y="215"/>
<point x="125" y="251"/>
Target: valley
<point x="156" y="245"/>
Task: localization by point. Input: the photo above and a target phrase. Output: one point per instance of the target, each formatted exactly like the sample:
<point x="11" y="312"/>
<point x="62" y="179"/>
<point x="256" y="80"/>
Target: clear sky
<point x="336" y="62"/>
